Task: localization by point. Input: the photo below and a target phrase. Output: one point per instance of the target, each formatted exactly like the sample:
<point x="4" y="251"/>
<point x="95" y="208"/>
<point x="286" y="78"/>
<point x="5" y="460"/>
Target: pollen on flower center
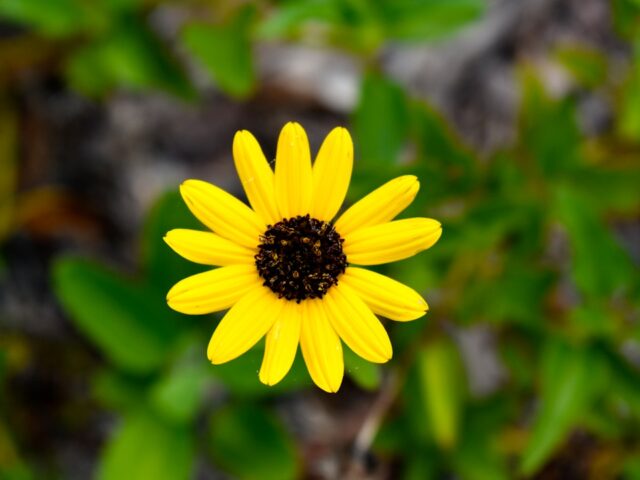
<point x="300" y="258"/>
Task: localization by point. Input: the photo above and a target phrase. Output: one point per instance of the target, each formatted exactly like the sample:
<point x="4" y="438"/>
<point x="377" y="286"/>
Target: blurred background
<point x="522" y="120"/>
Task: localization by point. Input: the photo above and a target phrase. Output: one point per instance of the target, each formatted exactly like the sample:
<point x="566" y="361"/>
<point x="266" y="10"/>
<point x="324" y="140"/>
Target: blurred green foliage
<point x="231" y="62"/>
<point x="529" y="253"/>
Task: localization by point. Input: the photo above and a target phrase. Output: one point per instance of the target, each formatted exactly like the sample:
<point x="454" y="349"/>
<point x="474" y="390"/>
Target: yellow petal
<point x="282" y="343"/>
<point x="391" y="241"/>
<point x="380" y="206"/>
<point x="246" y="323"/>
<point x="385" y="296"/>
<point x="256" y="176"/>
<point x="223" y="213"/>
<point x="213" y="290"/>
<point x="357" y="325"/>
<point x="321" y="347"/>
<point x="331" y="174"/>
<point x="208" y="248"/>
<point x="293" y="177"/>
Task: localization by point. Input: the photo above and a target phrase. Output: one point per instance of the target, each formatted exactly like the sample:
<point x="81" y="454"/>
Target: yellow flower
<point x="286" y="269"/>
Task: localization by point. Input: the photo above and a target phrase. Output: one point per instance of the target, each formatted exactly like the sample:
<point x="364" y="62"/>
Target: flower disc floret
<point x="300" y="258"/>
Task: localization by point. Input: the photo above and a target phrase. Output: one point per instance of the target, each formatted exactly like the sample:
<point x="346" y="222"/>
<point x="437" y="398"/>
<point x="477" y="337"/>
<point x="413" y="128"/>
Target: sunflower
<point x="286" y="270"/>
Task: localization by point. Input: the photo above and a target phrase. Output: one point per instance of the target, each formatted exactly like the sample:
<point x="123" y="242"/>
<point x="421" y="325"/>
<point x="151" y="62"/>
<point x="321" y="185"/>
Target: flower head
<point x="286" y="270"/>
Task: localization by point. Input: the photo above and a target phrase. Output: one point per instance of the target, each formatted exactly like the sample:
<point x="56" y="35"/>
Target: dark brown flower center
<point x="300" y="258"/>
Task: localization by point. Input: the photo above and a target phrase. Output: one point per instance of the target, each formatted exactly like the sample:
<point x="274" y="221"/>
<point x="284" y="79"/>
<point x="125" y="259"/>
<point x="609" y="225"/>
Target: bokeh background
<point x="522" y="120"/>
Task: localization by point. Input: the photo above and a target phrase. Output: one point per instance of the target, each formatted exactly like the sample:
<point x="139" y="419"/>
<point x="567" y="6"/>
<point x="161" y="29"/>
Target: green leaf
<point x="608" y="187"/>
<point x="549" y="129"/>
<point x="476" y="463"/>
<point x="625" y="387"/>
<point x="363" y="26"/>
<point x="129" y="55"/>
<point x="179" y="393"/>
<point x="250" y="443"/>
<point x="611" y="269"/>
<point x="625" y="16"/>
<point x="178" y="396"/>
<point x="427" y="20"/>
<point x="592" y="321"/>
<point x="588" y="66"/>
<point x="492" y="223"/>
<point x="442" y="385"/>
<point x="287" y="19"/>
<point x="86" y="71"/>
<point x="55" y="18"/>
<point x="629" y="114"/>
<point x="226" y="52"/>
<point x="632" y="467"/>
<point x="117" y="391"/>
<point x="147" y="447"/>
<point x="523" y="289"/>
<point x="448" y="164"/>
<point x="345" y="24"/>
<point x="517" y="355"/>
<point x="571" y="378"/>
<point x="162" y="266"/>
<point x="380" y="122"/>
<point x="132" y="326"/>
<point x="479" y="455"/>
<point x="602" y="422"/>
<point x="421" y="465"/>
<point x="364" y="373"/>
